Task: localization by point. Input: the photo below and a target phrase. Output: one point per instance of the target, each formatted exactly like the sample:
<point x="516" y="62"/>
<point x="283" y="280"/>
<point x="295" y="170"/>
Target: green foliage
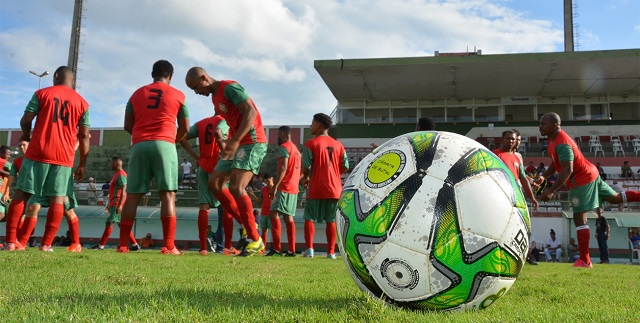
<point x="143" y="286"/>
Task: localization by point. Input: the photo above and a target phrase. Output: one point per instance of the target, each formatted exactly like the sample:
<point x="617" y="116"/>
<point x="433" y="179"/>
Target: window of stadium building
<point x="352" y="115"/>
<point x="404" y="115"/>
<point x="380" y="115"/>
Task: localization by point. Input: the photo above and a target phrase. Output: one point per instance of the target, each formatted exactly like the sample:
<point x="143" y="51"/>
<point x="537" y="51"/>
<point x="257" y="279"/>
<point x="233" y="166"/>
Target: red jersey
<point x="225" y="101"/>
<point x="117" y="182"/>
<point x="60" y="110"/>
<point x="3" y="179"/>
<point x="327" y="159"/>
<point x="563" y="148"/>
<point x="155" y="108"/>
<point x="205" y="130"/>
<point x="291" y="181"/>
<point x="17" y="164"/>
<point x="266" y="201"/>
<point x="511" y="160"/>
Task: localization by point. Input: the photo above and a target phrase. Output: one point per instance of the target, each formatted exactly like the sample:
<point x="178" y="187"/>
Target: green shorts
<point x="204" y="194"/>
<point x="113" y="216"/>
<point x="589" y="196"/>
<point x="247" y="157"/>
<point x="285" y="203"/>
<point x="152" y="159"/>
<point x="322" y="210"/>
<point x="70" y="201"/>
<point x="3" y="208"/>
<point x="265" y="222"/>
<point x="43" y="179"/>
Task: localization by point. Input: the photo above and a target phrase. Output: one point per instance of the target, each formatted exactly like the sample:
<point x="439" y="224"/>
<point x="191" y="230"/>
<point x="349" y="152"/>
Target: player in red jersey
<point x="514" y="163"/>
<point x="211" y="133"/>
<point x="243" y="152"/>
<point x="5" y="171"/>
<point x="323" y="160"/>
<point x="63" y="120"/>
<point x="284" y="192"/>
<point x="150" y="118"/>
<point x="265" y="201"/>
<point x="117" y="197"/>
<point x="15" y="170"/>
<point x="586" y="189"/>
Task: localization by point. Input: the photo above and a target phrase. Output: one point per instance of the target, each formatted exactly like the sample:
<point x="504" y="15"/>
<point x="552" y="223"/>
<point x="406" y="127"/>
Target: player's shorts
<point x="247" y="157"/>
<point x="43" y="179"/>
<point x="589" y="196"/>
<point x="152" y="159"/>
<point x="113" y="216"/>
<point x="321" y="210"/>
<point x="70" y="201"/>
<point x="285" y="203"/>
<point x="265" y="222"/>
<point x="204" y="194"/>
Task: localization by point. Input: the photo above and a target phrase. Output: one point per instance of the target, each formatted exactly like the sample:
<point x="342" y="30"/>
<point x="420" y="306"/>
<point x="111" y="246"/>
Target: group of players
<point x="232" y="145"/>
<point x="587" y="190"/>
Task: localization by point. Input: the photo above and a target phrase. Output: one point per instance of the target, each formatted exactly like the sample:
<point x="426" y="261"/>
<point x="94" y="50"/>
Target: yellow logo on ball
<point x="385" y="168"/>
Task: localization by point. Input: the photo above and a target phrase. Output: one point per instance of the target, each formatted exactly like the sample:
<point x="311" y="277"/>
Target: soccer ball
<point x="433" y="221"/>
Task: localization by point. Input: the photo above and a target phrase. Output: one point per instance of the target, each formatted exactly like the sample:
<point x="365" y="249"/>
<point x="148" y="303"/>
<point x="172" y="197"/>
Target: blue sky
<point x="269" y="46"/>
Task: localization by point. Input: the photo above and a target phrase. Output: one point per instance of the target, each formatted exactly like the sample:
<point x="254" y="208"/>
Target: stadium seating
<point x="635" y="252"/>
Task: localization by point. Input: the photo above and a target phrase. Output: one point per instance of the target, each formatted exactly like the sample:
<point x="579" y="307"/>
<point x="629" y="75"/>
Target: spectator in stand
<point x="554" y="248"/>
<point x="545" y="146"/>
<point x="573" y="251"/>
<point x="602" y="234"/>
<point x="634" y="236"/>
<point x="540" y="169"/>
<point x="617" y="186"/>
<point x="603" y="175"/>
<point x="105" y="192"/>
<point x="186" y="172"/>
<point x="530" y="169"/>
<point x="533" y="256"/>
<point x="147" y="242"/>
<point x="626" y="171"/>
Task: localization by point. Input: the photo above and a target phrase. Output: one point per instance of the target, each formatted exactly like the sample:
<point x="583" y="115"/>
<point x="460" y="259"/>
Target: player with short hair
<point x="586" y="189"/>
<point x="211" y="133"/>
<point x="63" y="120"/>
<point x="513" y="162"/>
<point x="117" y="198"/>
<point x="150" y="118"/>
<point x="284" y="192"/>
<point x="243" y="151"/>
<point x="323" y="160"/>
<point x="425" y="124"/>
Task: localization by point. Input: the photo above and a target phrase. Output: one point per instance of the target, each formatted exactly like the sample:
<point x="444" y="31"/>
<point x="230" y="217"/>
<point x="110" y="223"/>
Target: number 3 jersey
<point x="60" y="111"/>
<point x="155" y="108"/>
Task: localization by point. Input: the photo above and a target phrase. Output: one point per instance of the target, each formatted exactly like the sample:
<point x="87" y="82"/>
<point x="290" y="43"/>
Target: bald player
<point x="243" y="152"/>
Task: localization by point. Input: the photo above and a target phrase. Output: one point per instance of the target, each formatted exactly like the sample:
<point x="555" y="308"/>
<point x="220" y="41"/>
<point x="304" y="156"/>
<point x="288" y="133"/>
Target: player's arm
<point x="527" y="189"/>
<point x="84" y="142"/>
<point x="183" y="123"/>
<point x="123" y="197"/>
<point x="253" y="195"/>
<point x="282" y="170"/>
<point x="193" y="133"/>
<point x="25" y="125"/>
<point x="7" y="193"/>
<point x="220" y="134"/>
<point x="249" y="114"/>
<point x="345" y="163"/>
<point x="305" y="170"/>
<point x="128" y="118"/>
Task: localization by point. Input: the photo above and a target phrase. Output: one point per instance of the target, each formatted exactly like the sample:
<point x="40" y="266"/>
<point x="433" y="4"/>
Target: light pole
<point x="40" y="76"/>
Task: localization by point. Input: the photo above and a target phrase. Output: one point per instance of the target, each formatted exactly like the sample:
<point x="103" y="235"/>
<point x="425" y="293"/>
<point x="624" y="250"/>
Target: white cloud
<point x="268" y="46"/>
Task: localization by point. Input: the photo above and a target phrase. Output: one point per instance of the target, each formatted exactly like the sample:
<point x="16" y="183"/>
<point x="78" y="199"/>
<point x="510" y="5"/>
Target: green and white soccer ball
<point x="433" y="221"/>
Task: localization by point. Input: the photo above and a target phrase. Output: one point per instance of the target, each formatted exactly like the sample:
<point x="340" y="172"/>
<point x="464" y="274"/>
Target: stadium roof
<point x="561" y="74"/>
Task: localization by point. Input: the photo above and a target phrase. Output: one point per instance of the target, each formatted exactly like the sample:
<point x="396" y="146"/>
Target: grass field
<point x="144" y="286"/>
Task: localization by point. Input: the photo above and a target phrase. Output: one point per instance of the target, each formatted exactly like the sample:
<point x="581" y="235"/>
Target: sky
<point x="270" y="46"/>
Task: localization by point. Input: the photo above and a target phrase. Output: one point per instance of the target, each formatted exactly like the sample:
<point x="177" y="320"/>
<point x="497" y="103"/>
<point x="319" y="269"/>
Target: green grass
<point x="103" y="286"/>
